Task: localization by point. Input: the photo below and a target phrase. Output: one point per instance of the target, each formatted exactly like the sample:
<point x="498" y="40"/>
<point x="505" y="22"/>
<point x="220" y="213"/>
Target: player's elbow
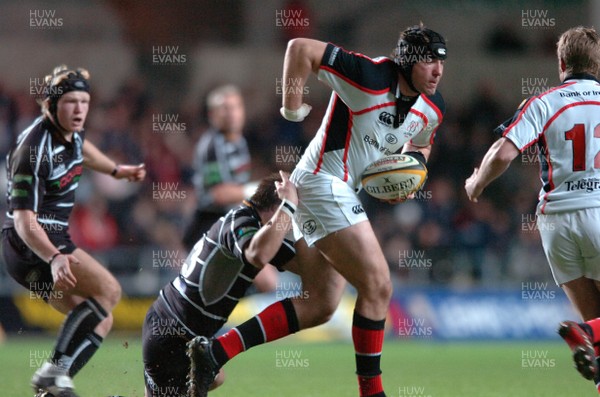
<point x="306" y="51"/>
<point x="25" y="222"/>
<point x="297" y="46"/>
<point x="506" y="151"/>
<point x="256" y="257"/>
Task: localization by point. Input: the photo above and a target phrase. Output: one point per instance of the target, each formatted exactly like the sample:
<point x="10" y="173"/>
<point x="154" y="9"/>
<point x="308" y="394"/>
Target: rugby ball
<point x="393" y="177"/>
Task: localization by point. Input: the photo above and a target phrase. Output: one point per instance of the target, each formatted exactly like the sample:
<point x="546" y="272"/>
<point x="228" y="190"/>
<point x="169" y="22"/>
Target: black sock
<point x="86" y="350"/>
<point x="80" y="323"/>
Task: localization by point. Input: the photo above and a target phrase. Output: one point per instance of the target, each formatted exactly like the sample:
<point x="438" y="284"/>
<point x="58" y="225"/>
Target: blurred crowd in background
<point x="437" y="238"/>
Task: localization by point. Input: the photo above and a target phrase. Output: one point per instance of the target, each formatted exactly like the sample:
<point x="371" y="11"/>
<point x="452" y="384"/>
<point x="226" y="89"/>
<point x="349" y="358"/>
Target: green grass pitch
<point x="288" y="368"/>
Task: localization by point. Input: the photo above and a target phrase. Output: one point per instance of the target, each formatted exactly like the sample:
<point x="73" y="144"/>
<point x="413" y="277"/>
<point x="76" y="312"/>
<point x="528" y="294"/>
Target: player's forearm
<point x="302" y="57"/>
<point x="94" y="159"/>
<point x="266" y="242"/>
<point x="33" y="235"/>
<point x="495" y="162"/>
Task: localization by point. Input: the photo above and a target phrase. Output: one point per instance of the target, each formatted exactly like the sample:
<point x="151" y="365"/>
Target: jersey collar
<point x="49" y="125"/>
<point x="581" y="76"/>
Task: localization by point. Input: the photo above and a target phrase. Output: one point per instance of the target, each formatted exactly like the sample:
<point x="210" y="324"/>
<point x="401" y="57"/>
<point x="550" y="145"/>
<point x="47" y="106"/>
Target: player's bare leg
<point x="356" y="255"/>
<point x="266" y="279"/>
<point x="584" y="294"/>
<point x="322" y="286"/>
<point x="88" y="306"/>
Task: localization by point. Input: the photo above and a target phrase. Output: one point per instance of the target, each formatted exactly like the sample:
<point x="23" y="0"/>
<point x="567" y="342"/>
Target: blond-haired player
<point x="44" y="166"/>
<point x="564" y="122"/>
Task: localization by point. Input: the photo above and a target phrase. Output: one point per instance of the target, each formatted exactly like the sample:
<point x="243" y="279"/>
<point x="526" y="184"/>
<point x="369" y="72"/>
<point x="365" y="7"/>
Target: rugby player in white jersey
<point x="564" y="122"/>
<point x="378" y="107"/>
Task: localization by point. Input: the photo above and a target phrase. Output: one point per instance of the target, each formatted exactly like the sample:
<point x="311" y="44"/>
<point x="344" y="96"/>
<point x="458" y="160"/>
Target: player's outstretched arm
<point x="302" y="57"/>
<point x="94" y="159"/>
<point x="267" y="241"/>
<point x="494" y="163"/>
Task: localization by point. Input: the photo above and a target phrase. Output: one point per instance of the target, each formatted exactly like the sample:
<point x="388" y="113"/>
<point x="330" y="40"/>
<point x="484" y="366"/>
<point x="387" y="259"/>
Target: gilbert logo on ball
<point x="393" y="177"/>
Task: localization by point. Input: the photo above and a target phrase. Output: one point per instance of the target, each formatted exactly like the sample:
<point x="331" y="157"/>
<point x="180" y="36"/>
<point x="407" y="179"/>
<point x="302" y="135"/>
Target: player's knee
<point x="104" y="327"/>
<point x="111" y="294"/>
<point x="323" y="312"/>
<point x="377" y="288"/>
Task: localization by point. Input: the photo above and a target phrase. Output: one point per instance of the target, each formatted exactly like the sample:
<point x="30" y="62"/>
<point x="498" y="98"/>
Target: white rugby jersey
<point x="564" y="122"/>
<point x="358" y="126"/>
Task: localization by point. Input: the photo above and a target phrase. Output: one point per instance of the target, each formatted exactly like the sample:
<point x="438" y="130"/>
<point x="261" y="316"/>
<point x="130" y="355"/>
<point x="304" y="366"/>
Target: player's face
<point x="229" y="115"/>
<point x="427" y="75"/>
<point x="72" y="109"/>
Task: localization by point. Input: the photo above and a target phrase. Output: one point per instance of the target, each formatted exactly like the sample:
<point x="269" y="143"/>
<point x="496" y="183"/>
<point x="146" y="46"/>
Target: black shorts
<point x="166" y="364"/>
<point x="25" y="266"/>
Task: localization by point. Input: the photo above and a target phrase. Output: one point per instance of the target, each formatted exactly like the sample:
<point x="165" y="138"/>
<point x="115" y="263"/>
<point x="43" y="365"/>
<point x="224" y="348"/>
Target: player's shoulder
<point x="35" y="131"/>
<point x="334" y="52"/>
<point x="438" y="101"/>
<point x="374" y="74"/>
<point x="31" y="137"/>
<point x="244" y="215"/>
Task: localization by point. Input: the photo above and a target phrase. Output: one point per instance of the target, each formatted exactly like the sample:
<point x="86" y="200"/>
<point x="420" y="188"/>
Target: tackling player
<point x="43" y="168"/>
<point x="378" y="107"/>
<point x="215" y="275"/>
<point x="564" y="123"/>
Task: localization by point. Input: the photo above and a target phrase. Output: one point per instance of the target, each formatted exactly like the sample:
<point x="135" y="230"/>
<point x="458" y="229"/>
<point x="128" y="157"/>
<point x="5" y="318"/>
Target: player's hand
<point x="61" y="272"/>
<point x="286" y="189"/>
<point x="473" y="192"/>
<point x="295" y="115"/>
<point x="133" y="173"/>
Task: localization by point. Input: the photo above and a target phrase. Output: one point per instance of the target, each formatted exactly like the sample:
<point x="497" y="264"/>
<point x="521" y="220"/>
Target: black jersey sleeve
<point x="357" y="69"/>
<point x="244" y="226"/>
<point x="438" y="101"/>
<point x="27" y="175"/>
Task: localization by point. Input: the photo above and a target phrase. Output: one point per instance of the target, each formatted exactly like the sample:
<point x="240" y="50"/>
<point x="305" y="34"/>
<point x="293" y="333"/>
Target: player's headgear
<point x="417" y="44"/>
<point x="61" y="81"/>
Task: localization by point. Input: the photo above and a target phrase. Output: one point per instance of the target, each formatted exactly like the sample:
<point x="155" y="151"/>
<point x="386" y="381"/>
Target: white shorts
<point x="326" y="204"/>
<point x="571" y="241"/>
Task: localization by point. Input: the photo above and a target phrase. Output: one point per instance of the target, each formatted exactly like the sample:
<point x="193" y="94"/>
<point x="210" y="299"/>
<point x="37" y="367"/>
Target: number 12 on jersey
<point x="577" y="136"/>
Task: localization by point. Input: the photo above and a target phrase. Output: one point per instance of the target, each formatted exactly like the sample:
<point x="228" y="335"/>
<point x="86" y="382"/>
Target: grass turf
<point x="291" y="369"/>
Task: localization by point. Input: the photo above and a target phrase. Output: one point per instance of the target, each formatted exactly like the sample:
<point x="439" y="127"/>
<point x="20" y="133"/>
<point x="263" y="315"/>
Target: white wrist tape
<point x="295" y="115"/>
<point x="288" y="207"/>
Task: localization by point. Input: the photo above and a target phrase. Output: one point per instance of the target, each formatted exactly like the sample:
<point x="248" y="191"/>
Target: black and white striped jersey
<point x="216" y="274"/>
<point x="217" y="161"/>
<point x="43" y="171"/>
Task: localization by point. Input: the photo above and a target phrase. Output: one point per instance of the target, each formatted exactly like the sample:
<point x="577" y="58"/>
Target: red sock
<point x="232" y="343"/>
<point x="367" y="336"/>
<point x="275" y="322"/>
